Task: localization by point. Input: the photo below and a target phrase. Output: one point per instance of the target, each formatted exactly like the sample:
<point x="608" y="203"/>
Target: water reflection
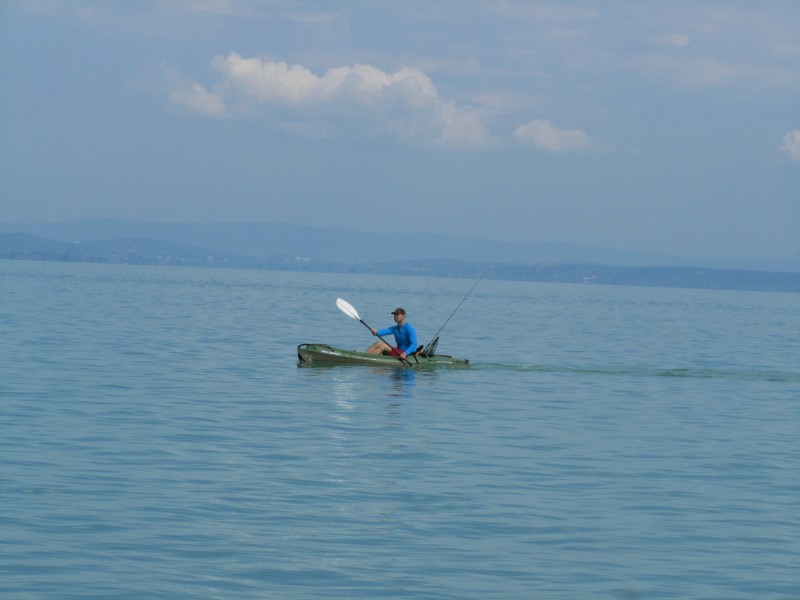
<point x="349" y="387"/>
<point x="353" y="383"/>
<point x="403" y="382"/>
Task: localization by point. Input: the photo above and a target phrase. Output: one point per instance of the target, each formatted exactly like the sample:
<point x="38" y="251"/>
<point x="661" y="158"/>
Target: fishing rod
<point x="431" y="347"/>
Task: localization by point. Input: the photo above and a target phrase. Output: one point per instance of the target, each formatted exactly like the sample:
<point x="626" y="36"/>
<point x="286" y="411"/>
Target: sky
<point x="669" y="127"/>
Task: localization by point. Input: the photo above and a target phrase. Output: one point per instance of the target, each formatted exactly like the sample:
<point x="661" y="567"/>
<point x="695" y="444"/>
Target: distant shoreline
<point x="150" y="252"/>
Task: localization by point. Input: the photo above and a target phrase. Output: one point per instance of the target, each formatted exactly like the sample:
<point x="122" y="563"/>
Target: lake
<point x="159" y="439"/>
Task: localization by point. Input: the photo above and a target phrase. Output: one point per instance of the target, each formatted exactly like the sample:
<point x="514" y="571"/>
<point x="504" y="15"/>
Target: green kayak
<point x="328" y="355"/>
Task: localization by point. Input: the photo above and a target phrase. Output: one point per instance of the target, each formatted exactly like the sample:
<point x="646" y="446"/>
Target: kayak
<point x="324" y="354"/>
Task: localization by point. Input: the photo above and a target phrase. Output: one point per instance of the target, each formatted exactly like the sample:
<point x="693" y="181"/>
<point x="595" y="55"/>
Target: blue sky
<point x="668" y="127"/>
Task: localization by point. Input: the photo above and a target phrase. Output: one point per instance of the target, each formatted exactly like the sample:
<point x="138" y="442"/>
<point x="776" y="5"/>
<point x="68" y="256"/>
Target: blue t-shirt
<point x="405" y="337"/>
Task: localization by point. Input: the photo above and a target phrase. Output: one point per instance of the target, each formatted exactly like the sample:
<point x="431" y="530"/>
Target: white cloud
<point x="543" y="134"/>
<point x="404" y="103"/>
<point x="197" y="99"/>
<point x="791" y="145"/>
<point x="463" y="126"/>
<point x="281" y="84"/>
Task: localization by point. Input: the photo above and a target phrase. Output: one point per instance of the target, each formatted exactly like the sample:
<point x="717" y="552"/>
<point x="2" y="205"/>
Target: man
<point x="405" y="336"/>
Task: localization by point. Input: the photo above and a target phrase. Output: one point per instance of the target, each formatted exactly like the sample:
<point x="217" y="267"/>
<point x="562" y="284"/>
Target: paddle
<point x="348" y="309"/>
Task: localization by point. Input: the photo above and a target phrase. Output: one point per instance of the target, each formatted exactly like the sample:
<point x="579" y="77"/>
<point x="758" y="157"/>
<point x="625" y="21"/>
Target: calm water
<point x="160" y="441"/>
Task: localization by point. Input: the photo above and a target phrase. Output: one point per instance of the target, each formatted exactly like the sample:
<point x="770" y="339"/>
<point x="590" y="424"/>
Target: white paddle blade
<point x="347" y="308"/>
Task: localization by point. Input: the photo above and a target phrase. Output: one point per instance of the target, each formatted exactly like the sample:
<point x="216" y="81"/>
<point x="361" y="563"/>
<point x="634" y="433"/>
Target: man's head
<point x="399" y="315"/>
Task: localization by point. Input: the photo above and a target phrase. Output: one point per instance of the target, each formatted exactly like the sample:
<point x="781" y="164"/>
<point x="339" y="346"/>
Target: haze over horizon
<point x="664" y="128"/>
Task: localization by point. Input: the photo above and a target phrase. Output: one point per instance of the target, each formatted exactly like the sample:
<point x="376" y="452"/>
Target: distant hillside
<point x="276" y="239"/>
<point x="22" y="246"/>
<point x="142" y="251"/>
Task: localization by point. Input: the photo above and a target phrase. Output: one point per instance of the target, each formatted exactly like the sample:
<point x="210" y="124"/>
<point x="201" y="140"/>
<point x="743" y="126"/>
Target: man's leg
<point x="378" y="347"/>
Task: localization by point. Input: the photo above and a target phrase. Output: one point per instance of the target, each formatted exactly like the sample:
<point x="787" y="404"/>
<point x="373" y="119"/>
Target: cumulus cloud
<point x="403" y="103"/>
<point x="791" y="145"/>
<point x="543" y="134"/>
<point x="279" y="83"/>
<point x="197" y="99"/>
